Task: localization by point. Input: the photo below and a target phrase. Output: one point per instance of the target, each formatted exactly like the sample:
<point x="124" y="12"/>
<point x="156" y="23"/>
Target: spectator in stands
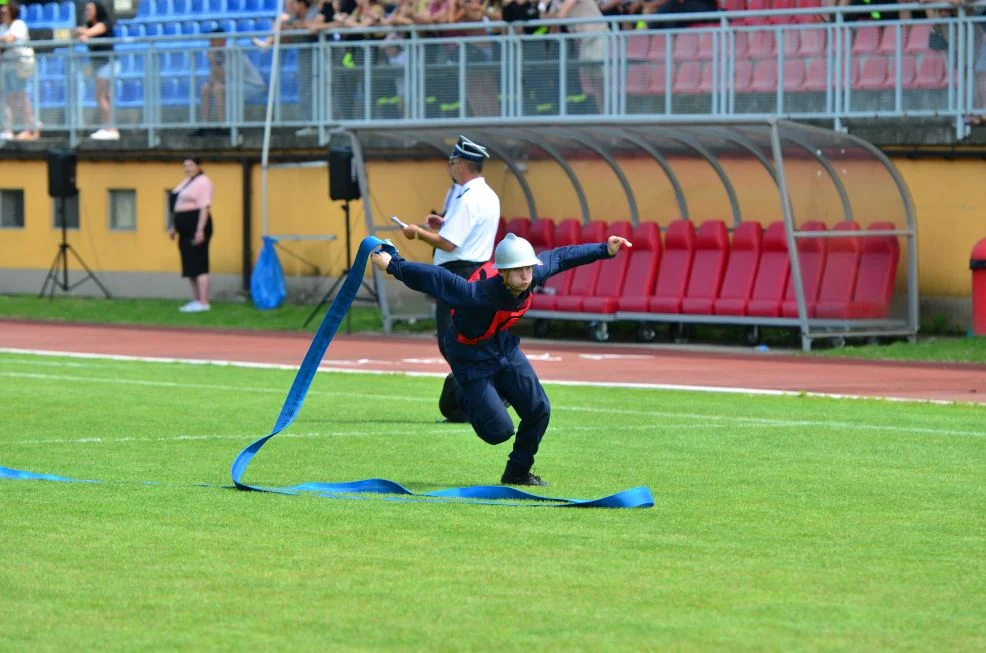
<point x="464" y="237"/>
<point x="591" y="50"/>
<point x="484" y="355"/>
<point x="684" y="7"/>
<point x="192" y="224"/>
<point x="539" y="58"/>
<point x="213" y="91"/>
<point x="298" y="15"/>
<point x="482" y="84"/>
<point x="18" y="70"/>
<point x="97" y="30"/>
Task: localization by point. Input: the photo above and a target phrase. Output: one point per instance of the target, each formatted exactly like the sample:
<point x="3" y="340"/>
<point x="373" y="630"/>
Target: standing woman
<point x="192" y="223"/>
<point x="18" y="69"/>
<point x="98" y="29"/>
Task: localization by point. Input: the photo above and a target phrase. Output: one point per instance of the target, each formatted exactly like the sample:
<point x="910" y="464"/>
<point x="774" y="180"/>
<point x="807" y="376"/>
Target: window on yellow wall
<point x="11" y="208"/>
<point x="123" y="209"/>
<point x="71" y="209"/>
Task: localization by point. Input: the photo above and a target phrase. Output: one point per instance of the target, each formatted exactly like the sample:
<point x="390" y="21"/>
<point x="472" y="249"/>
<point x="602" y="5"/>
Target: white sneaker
<point x="191" y="307"/>
<point x="306" y="131"/>
<point x="105" y="135"/>
<point x="198" y="308"/>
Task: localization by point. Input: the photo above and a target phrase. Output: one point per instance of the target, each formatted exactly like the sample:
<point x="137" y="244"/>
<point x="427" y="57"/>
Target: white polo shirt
<point x="470" y="224"/>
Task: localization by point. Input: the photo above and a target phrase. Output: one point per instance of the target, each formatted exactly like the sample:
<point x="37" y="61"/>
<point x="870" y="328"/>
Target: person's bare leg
<point x="192" y="281"/>
<point x="219" y="93"/>
<point x="203" y="283"/>
<point x="103" y="98"/>
<point x="205" y="94"/>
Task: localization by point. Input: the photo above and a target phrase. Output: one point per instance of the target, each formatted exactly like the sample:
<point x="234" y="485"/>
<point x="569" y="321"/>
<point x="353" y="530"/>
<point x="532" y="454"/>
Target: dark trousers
<point x="480" y="400"/>
<point x="443" y="312"/>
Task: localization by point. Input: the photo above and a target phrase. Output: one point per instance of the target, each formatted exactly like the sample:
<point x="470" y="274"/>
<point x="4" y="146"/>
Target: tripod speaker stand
<point x="344" y="186"/>
<point x="61" y="185"/>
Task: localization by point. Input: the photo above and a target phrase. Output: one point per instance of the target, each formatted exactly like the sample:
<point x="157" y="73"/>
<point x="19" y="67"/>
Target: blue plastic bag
<point x="267" y="282"/>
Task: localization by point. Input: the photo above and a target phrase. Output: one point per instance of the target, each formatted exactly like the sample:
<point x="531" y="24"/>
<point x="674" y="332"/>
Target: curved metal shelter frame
<point x="761" y="141"/>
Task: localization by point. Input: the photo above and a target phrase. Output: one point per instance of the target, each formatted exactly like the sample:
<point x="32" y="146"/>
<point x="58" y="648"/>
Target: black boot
<point x="514" y="476"/>
<point x="448" y="402"/>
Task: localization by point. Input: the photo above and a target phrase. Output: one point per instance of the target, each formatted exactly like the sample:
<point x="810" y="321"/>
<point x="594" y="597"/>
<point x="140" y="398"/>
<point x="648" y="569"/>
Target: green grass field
<point x="780" y="523"/>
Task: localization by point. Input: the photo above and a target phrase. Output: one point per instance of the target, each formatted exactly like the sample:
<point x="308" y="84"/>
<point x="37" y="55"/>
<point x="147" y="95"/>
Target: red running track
<point x="572" y="362"/>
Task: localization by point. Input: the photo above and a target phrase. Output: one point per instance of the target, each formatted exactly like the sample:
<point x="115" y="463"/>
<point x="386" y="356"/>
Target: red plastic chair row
<point x="701" y="272"/>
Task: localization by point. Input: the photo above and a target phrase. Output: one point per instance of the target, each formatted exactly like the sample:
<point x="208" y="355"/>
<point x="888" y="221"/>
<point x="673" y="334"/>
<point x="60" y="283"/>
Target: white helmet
<point x="514" y="252"/>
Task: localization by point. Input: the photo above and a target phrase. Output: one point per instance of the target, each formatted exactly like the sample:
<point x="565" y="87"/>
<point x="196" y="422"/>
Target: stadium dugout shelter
<point x="815" y="233"/>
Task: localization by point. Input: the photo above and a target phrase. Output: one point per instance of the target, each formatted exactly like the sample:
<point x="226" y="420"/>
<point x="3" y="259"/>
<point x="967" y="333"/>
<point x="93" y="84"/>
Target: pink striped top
<point x="195" y="195"/>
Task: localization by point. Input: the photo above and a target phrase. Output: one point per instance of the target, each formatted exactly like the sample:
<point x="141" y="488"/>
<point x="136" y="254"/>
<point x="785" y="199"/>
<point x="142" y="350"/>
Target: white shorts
<point x="108" y="70"/>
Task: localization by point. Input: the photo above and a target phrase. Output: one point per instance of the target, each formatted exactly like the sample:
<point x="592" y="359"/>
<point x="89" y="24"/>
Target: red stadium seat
<point x="675" y="268"/>
<point x="685" y="46"/>
<point x="907" y="73"/>
<point x="772" y="278"/>
<point x="744" y="258"/>
<point x="658" y="47"/>
<point x="841" y="270"/>
<point x="501" y="230"/>
<point x="917" y="40"/>
<point x="638" y="79"/>
<point x="932" y="73"/>
<point x="811" y="257"/>
<point x="706" y="46"/>
<point x="708" y="82"/>
<point x="817" y="78"/>
<point x="761" y="45"/>
<point x="584" y="277"/>
<point x="612" y="273"/>
<point x="637" y="47"/>
<point x="567" y="232"/>
<point x="645" y="258"/>
<point x="794" y="75"/>
<point x="658" y="78"/>
<point x="687" y="78"/>
<point x="542" y="235"/>
<point x="877" y="274"/>
<point x="792" y="43"/>
<point x="519" y="226"/>
<point x="764" y="77"/>
<point x="888" y="40"/>
<point x="743" y="75"/>
<point x="812" y="43"/>
<point x="741" y="45"/>
<point x="866" y="41"/>
<point x="708" y="268"/>
<point x="781" y="4"/>
<point x="872" y="75"/>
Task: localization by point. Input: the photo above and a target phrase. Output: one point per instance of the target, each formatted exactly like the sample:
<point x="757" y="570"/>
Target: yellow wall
<point x="950" y="199"/>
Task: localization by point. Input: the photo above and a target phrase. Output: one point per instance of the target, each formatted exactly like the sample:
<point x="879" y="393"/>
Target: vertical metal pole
<point x="275" y="76"/>
<point x="247" y="183"/>
<point x="796" y="280"/>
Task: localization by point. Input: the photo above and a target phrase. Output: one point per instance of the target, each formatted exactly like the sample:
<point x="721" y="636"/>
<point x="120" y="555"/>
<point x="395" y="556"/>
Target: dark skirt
<point x="194" y="258"/>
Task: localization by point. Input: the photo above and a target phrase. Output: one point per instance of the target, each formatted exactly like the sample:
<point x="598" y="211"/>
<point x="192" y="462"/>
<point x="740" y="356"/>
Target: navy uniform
<point x="485" y="356"/>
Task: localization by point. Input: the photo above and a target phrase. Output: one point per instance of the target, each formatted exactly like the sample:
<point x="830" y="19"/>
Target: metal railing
<point x="725" y="69"/>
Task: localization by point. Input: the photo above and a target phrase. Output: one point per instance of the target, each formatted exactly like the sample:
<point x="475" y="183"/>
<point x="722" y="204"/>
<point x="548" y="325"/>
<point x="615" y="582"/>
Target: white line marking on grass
<point x="244" y="438"/>
<point x="762" y="421"/>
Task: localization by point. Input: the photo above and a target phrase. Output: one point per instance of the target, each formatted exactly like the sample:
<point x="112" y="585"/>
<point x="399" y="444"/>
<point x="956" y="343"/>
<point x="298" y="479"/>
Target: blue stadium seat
<point x="196" y="7"/>
<point x="153" y="29"/>
<point x="263" y="24"/>
<point x="66" y="13"/>
<point x="227" y="26"/>
<point x="175" y="62"/>
<point x="244" y="25"/>
<point x="121" y="30"/>
<point x="251" y="6"/>
<point x="215" y="7"/>
<point x="262" y="59"/>
<point x="289" y="59"/>
<point x="179" y="8"/>
<point x="234" y="6"/>
<point x="190" y="27"/>
<point x="145" y="9"/>
<point x="49" y="13"/>
<point x="137" y="30"/>
<point x="201" y="64"/>
<point x="52" y="65"/>
<point x="129" y="92"/>
<point x="171" y="29"/>
<point x="162" y="8"/>
<point x="52" y="94"/>
<point x="269" y="6"/>
<point x="32" y="15"/>
<point x="289" y="88"/>
<point x="207" y="26"/>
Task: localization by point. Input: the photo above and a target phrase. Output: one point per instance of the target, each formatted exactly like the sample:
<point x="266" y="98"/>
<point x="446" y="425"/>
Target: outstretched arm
<point x="432" y="280"/>
<point x="560" y="259"/>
